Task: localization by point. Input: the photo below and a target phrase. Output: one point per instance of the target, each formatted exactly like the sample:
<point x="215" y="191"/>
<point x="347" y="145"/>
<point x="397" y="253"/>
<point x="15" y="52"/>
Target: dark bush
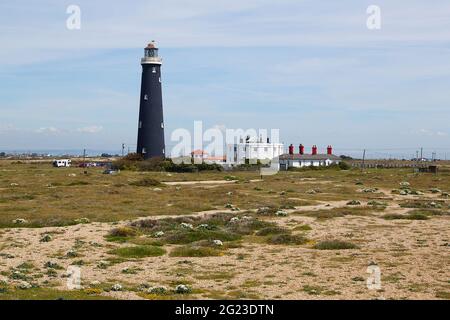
<point x="287" y="239"/>
<point x="146" y="182"/>
<point x="344" y="165"/>
<point x="334" y="245"/>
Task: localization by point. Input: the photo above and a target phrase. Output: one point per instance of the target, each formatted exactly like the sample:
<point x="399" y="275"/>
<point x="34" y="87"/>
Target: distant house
<point x="62" y="163"/>
<point x="201" y="156"/>
<point x="198" y="155"/>
<point x="300" y="160"/>
<point x="252" y="150"/>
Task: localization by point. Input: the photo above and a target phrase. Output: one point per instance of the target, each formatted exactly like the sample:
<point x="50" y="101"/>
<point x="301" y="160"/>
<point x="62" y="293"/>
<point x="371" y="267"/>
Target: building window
<point x="159" y="79"/>
<point x="162" y="125"/>
<point x="140" y="124"/>
<point x="145" y="97"/>
<point x="153" y="69"/>
<point x="144" y="150"/>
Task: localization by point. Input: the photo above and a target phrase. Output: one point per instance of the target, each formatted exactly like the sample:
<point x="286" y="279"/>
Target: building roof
<point x="310" y="157"/>
<point x="218" y="158"/>
<point x="199" y="152"/>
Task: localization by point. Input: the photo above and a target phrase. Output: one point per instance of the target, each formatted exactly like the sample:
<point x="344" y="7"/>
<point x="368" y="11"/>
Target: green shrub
<point x="334" y="245"/>
<point x="270" y="230"/>
<point x="146" y="182"/>
<point x="188" y="236"/>
<point x="344" y="165"/>
<point x="287" y="239"/>
<point x="410" y="216"/>
<point x="121" y="234"/>
<point x="303" y="227"/>
<point x="138" y="251"/>
<point x="78" y="183"/>
<point x="195" y="251"/>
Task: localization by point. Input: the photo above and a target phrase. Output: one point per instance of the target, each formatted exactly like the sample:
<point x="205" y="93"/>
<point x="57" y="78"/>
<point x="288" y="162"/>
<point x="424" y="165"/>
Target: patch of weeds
<point x="421" y="204"/>
<point x="78" y="183"/>
<point x="412" y="216"/>
<point x="52" y="265"/>
<point x="303" y="227"/>
<point x="195" y="251"/>
<point x="215" y="276"/>
<point x="236" y="294"/>
<point x="131" y="270"/>
<point x="394" y="277"/>
<point x="287" y="239"/>
<point x="121" y="234"/>
<point x="51" y="273"/>
<point x="146" y="182"/>
<point x="184" y="236"/>
<point x="25" y="266"/>
<point x="334" y="245"/>
<point x="443" y="295"/>
<point x="317" y="290"/>
<point x="270" y="231"/>
<point x="138" y="251"/>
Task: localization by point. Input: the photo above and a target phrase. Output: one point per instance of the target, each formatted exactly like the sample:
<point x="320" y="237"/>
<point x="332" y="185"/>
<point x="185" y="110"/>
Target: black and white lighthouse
<point x="150" y="141"/>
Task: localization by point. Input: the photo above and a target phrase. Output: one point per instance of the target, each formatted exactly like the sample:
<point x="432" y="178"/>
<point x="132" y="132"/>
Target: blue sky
<point x="310" y="68"/>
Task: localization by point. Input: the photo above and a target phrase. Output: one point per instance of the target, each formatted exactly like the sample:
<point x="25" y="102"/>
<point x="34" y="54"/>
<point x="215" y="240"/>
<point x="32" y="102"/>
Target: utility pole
<point x="364" y="160"/>
<point x="123" y="149"/>
<point x="417" y="158"/>
<point x="84" y="161"/>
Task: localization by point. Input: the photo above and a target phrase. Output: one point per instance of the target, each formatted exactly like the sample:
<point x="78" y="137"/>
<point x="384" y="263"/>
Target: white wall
<point x="238" y="153"/>
<point x="307" y="163"/>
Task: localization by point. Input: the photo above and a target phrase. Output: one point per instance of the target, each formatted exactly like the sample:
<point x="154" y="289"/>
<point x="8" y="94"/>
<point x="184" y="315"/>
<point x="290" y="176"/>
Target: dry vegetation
<point x="294" y="235"/>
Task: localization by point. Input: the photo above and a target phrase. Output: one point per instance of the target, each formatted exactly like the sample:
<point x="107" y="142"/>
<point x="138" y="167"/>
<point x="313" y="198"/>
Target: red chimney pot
<point x="302" y="149"/>
<point x="291" y="149"/>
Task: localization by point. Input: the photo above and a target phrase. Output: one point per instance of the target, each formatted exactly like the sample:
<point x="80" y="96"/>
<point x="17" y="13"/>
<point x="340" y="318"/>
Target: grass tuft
<point x="138" y="251"/>
<point x="335" y="245"/>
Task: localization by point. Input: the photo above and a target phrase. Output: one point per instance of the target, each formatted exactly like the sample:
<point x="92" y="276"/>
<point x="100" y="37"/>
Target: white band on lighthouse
<point x="151" y="60"/>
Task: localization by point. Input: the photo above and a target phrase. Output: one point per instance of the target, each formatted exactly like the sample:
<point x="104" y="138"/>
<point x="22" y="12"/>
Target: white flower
<point x="116" y="287"/>
<point x="186" y="225"/>
<point x="159" y="234"/>
<point x="82" y="220"/>
<point x="281" y="213"/>
<point x="25" y="285"/>
<point x="46" y="238"/>
<point x="19" y="221"/>
<point x="218" y="242"/>
<point x="181" y="288"/>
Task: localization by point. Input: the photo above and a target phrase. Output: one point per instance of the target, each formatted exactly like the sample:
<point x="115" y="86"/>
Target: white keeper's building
<point x="239" y="153"/>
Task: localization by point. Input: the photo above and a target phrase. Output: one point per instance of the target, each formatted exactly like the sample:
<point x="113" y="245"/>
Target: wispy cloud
<point x="48" y="130"/>
<point x="90" y="129"/>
